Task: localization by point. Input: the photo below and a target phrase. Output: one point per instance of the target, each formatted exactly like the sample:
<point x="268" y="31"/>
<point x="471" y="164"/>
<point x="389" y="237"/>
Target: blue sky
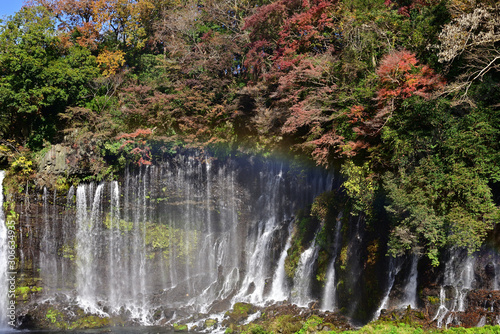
<point x="9" y="7"/>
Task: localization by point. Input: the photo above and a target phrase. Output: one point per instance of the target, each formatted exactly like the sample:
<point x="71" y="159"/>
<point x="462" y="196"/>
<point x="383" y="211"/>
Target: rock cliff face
<point x="57" y="161"/>
<point x="190" y="237"/>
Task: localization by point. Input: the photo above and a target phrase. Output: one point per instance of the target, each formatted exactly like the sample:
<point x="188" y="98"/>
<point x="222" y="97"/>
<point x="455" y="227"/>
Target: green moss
<point x="210" y="323"/>
<point x="161" y="239"/>
<point x="57" y="320"/>
<point x="401" y="328"/>
<point x="310" y="326"/>
<point x="343" y="258"/>
<point x="22" y="292"/>
<point x="322" y="205"/>
<point x="62" y="185"/>
<point x="10" y="210"/>
<point x="180" y="328"/>
<point x="91" y="321"/>
<point x="294" y="252"/>
<point x="285" y="324"/>
<point x="53" y="316"/>
<point x="240" y="311"/>
<point x="255" y="329"/>
<point x="323" y="260"/>
<point x="67" y="252"/>
<point x="433" y="300"/>
<point x="122" y="224"/>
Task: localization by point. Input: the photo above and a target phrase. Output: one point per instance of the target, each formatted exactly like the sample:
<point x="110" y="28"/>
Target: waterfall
<point x="195" y="234"/>
<point x="258" y="265"/>
<point x="279" y="290"/>
<point x="188" y="235"/>
<point x="442" y="310"/>
<point x="482" y="322"/>
<point x="329" y="293"/>
<point x="115" y="260"/>
<point x="467" y="279"/>
<point x="49" y="244"/>
<point x="459" y="277"/>
<point x="87" y="247"/>
<point x="4" y="283"/>
<point x="301" y="293"/>
<point x="410" y="291"/>
<point x="394" y="268"/>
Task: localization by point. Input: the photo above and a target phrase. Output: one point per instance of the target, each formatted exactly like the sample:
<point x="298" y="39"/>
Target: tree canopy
<point x="401" y="95"/>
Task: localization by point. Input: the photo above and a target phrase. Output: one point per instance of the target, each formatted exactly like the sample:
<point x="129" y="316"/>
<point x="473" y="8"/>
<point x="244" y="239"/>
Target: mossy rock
<point x="180" y="328"/>
<point x="23" y="292"/>
<point x="210" y="323"/>
<point x="255" y="329"/>
<point x="240" y="312"/>
<point x="53" y="318"/>
<point x="286" y="324"/>
<point x="433" y="300"/>
<point x="313" y="325"/>
<point x="90" y="321"/>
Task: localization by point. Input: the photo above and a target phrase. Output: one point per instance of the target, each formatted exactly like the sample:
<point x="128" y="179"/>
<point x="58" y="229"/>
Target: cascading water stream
<point x="185" y="236"/>
<point x="279" y="290"/>
<point x="459" y="276"/>
<point x="257" y="263"/>
<point x="329" y="293"/>
<point x="114" y="243"/>
<point x="301" y="292"/>
<point x="87" y="245"/>
<point x="394" y="268"/>
<point x="442" y="310"/>
<point x="410" y="291"/>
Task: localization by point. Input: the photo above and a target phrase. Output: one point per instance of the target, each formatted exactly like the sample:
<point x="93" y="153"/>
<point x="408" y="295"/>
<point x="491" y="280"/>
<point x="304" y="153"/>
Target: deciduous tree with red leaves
<point x="287" y="29"/>
<point x="400" y="76"/>
<point x="138" y="147"/>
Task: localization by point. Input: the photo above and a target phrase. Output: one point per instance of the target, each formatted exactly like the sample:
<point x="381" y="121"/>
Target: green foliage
<point x="162" y="239"/>
<point x="38" y="76"/>
<point x="22" y="292"/>
<point x="440" y="195"/>
<point x="285" y="324"/>
<point x="90" y="321"/>
<point x="255" y="329"/>
<point x="240" y="312"/>
<point x="310" y="325"/>
<point x="53" y="315"/>
<point x="62" y="185"/>
<point x="58" y="320"/>
<point x="323" y="260"/>
<point x="22" y="165"/>
<point x="292" y="259"/>
<point x="421" y="29"/>
<point x="433" y="300"/>
<point x="119" y="224"/>
<point x="437" y="206"/>
<point x="343" y="257"/>
<point x="359" y="185"/>
<point x="342" y="82"/>
<point x="390" y="328"/>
